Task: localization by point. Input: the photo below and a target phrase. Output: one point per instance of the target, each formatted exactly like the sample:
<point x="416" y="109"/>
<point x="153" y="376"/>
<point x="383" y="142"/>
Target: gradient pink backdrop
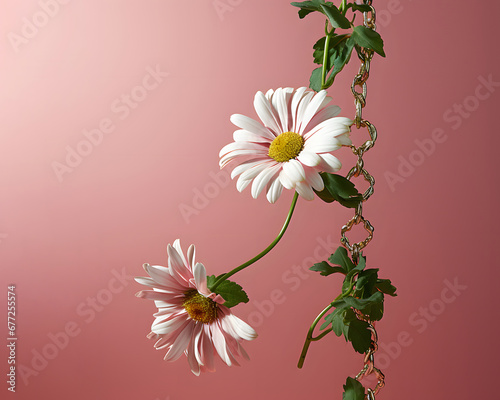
<point x="65" y="238"/>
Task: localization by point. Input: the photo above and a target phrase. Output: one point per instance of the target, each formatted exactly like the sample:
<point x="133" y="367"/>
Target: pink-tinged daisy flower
<point x="191" y="319"/>
<point x="291" y="146"/>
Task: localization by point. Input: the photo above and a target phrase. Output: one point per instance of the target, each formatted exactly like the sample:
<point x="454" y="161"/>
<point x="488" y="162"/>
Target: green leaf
<point x="335" y="16"/>
<point x="372" y="307"/>
<point x="315" y="80"/>
<point x="336" y="319"/>
<point x="360" y="7"/>
<point x="385" y="286"/>
<point x="368" y="38"/>
<point x="326" y="269"/>
<point x="353" y="390"/>
<point x="339" y="188"/>
<point x="340" y="257"/>
<point x="365" y="284"/>
<point x="359" y="335"/>
<point x="307" y="7"/>
<point x="230" y="291"/>
<point x="319" y="47"/>
<point x="364" y="304"/>
<point x="340" y="57"/>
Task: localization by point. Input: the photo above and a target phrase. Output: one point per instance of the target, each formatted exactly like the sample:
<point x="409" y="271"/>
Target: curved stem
<point x="310" y="338"/>
<point x="326" y="53"/>
<point x="262" y="253"/>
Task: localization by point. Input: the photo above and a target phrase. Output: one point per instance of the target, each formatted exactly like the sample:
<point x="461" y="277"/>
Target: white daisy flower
<point x="291" y="146"/>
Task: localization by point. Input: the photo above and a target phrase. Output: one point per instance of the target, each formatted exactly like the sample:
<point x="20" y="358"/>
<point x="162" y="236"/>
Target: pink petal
<point x="180" y="343"/>
<point x="200" y="277"/>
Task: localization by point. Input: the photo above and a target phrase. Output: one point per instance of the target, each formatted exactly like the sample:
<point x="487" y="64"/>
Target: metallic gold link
<point x="359" y="92"/>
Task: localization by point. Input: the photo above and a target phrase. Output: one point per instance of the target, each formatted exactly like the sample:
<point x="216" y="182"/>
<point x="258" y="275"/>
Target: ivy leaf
<point x="338" y="188"/>
<point x="372" y="307"/>
<point x="336" y="319"/>
<point x="360" y="7"/>
<point x="340" y="57"/>
<point x="326" y="269"/>
<point x="315" y="81"/>
<point x="359" y="335"/>
<point x="335" y="16"/>
<point x="385" y="286"/>
<point x="307" y="7"/>
<point x="353" y="390"/>
<point x="340" y="257"/>
<point x="365" y="284"/>
<point x="230" y="291"/>
<point x="319" y="47"/>
<point x="368" y="38"/>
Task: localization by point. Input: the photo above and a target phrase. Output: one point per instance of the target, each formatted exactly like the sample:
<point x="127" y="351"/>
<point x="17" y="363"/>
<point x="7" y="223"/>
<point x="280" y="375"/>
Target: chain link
<point x="359" y="91"/>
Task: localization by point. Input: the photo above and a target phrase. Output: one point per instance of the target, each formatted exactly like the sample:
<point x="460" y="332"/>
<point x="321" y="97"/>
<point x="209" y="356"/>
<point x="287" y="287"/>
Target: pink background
<point x="65" y="238"/>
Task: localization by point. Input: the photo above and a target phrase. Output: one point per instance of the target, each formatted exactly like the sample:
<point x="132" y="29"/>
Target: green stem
<point x="325" y="61"/>
<point x="343" y="7"/>
<point x="262" y="253"/>
<point x="310" y="338"/>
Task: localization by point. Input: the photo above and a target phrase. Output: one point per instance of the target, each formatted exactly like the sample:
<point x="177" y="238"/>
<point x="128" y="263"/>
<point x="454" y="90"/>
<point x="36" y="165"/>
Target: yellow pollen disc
<point x="286" y="146"/>
<point x="199" y="307"/>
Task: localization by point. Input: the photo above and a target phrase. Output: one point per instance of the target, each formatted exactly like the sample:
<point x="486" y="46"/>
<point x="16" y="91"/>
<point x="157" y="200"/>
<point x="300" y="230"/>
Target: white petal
<point x="265" y="112"/>
<point x="274" y="190"/>
<point x="301" y="110"/>
<point x="330" y="163"/>
<point x="322" y="145"/>
<point x="240" y="328"/>
<point x="297" y="97"/>
<point x="245" y="165"/>
<point x="311" y="110"/>
<point x="294" y="170"/>
<point x="323" y="115"/>
<point x="309" y="158"/>
<point x="263" y="178"/>
<point x="313" y="178"/>
<point x="241" y="184"/>
<point x="235" y="146"/>
<point x="257" y="169"/>
<point x="281" y="106"/>
<point x="238" y="153"/>
<point x="344" y="139"/>
<point x="246" y="136"/>
<point x="285" y="180"/>
<point x="251" y="125"/>
<point x="304" y="190"/>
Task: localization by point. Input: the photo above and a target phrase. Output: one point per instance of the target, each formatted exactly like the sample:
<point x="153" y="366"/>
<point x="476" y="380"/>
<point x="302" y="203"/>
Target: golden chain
<point x="365" y="57"/>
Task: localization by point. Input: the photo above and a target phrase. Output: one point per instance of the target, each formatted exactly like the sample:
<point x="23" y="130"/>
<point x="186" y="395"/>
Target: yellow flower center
<point x="286" y="146"/>
<point x="199" y="307"/>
